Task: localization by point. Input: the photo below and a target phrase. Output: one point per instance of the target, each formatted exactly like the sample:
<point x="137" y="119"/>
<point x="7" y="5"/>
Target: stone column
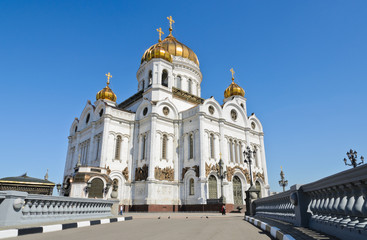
<point x="175" y="151"/>
<point x="104" y="143"/>
<point x="201" y="157"/>
<point x="152" y="148"/>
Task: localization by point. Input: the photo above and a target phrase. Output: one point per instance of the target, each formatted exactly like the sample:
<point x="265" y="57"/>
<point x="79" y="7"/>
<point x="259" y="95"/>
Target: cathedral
<point x="165" y="148"/>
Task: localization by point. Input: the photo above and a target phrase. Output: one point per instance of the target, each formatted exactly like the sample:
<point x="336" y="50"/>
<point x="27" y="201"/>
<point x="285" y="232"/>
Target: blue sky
<point x="301" y="63"/>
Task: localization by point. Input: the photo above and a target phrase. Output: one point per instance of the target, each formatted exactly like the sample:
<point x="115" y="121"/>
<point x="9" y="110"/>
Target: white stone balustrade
<point x="19" y="208"/>
<point x="336" y="205"/>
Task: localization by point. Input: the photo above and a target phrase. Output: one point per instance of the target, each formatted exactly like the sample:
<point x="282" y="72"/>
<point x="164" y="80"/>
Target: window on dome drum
<point x="192" y="187"/>
<point x="191" y="145"/>
<point x="76" y="128"/>
<point x="150" y="78"/>
<point x="118" y="147"/>
<point x="190" y="86"/>
<point x="164" y="147"/>
<point x="101" y="113"/>
<point x="87" y="119"/>
<point x="212" y="145"/>
<point x="178" y="82"/>
<point x="197" y="89"/>
<point x="144" y="85"/>
<point x="165" y="78"/>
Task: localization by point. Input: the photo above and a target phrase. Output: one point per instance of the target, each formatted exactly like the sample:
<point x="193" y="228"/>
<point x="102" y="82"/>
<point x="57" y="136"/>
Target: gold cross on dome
<point x="232" y="71"/>
<point x="108" y="77"/>
<point x="160" y="32"/>
<point x="170" y="19"/>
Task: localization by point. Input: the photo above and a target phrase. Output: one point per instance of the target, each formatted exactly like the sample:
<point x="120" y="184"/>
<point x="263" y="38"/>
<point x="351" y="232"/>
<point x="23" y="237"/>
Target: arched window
<point x="118" y="147"/>
<point x="178" y="82"/>
<point x="98" y="146"/>
<point x="150" y="80"/>
<point x="143" y="84"/>
<point x="212" y="145"/>
<point x="164" y="147"/>
<point x="230" y="148"/>
<point x="189" y="86"/>
<point x="192" y="187"/>
<point x="165" y="78"/>
<point x="191" y="145"/>
<point x="101" y="113"/>
<point x="144" y="146"/>
<point x="212" y="187"/>
<point x="237" y="191"/>
<point x="197" y="89"/>
<point x="87" y="119"/>
<point x="235" y="151"/>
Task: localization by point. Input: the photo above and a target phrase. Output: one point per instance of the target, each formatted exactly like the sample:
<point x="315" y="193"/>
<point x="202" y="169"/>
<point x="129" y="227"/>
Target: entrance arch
<point x="237" y="191"/>
<point x="213" y="187"/>
<point x="96" y="189"/>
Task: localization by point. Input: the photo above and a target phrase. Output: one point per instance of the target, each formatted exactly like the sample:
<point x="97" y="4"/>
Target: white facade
<point x="163" y="144"/>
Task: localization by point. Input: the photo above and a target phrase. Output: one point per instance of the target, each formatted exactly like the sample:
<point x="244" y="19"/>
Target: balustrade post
<point x="348" y="205"/>
<point x="356" y="212"/>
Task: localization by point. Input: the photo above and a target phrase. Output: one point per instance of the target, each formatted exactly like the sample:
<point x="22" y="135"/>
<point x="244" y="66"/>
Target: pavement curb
<point x="274" y="231"/>
<point x="58" y="227"/>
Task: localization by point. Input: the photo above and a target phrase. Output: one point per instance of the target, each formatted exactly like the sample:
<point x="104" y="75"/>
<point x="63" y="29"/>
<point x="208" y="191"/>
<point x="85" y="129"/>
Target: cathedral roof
<point x="107" y="93"/>
<point x="25" y="179"/>
<point x="233" y="89"/>
<point x="170" y="45"/>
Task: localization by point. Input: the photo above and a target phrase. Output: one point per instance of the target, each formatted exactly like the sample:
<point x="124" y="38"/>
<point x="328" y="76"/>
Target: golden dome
<point x="107" y="93"/>
<point x="234" y="89"/>
<point x="156" y="51"/>
<point x="171" y="45"/>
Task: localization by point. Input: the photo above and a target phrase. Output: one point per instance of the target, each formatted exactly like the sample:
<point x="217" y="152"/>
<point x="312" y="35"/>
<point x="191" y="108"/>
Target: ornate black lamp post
<point x="283" y="183"/>
<point x="352" y="155"/>
<point x="222" y="174"/>
<point x="248" y="159"/>
<point x="252" y="193"/>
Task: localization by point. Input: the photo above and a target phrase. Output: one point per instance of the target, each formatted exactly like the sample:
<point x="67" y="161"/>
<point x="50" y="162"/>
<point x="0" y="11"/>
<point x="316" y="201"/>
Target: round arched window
<point x="87" y="119"/>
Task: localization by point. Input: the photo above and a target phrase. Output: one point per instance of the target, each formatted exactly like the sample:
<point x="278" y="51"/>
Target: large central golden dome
<point x="171" y="45"/>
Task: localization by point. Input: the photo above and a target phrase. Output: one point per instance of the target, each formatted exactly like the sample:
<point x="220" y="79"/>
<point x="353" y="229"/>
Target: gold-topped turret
<point x="171" y="46"/>
<point x="107" y="93"/>
<point x="233" y="89"/>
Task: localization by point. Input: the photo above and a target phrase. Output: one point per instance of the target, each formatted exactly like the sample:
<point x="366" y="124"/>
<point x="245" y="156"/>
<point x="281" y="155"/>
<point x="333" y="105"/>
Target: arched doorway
<point x="213" y="187"/>
<point x="237" y="191"/>
<point x="96" y="189"/>
<point x="258" y="187"/>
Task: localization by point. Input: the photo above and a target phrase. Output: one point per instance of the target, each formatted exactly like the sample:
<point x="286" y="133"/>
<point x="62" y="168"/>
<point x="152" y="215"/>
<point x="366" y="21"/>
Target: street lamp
<point x="283" y="183"/>
<point x="248" y="159"/>
<point x="352" y="155"/>
<point x="222" y="174"/>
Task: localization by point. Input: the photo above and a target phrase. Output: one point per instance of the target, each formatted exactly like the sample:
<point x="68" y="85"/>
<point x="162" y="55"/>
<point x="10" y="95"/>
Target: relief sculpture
<point x="231" y="170"/>
<point x="141" y="173"/>
<point x="209" y="168"/>
<point x="166" y="173"/>
<point x="195" y="168"/>
<point x="125" y="173"/>
<point x="258" y="175"/>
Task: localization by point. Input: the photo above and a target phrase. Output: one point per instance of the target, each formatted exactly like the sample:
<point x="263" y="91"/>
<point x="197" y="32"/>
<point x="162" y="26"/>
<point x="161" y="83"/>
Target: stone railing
<point x="336" y="205"/>
<point x="19" y="208"/>
<point x="277" y="206"/>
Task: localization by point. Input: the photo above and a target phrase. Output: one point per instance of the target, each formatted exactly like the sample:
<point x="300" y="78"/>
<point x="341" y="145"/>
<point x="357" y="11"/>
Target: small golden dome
<point x="107" y="93"/>
<point x="234" y="89"/>
<point x="156" y="51"/>
<point x="173" y="47"/>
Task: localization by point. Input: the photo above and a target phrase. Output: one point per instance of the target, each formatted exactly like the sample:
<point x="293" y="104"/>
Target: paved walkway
<point x="160" y="226"/>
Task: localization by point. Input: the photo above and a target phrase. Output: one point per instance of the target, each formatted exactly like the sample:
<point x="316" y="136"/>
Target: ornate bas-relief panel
<point x="211" y="167"/>
<point x="231" y="170"/>
<point x="125" y="173"/>
<point x="164" y="174"/>
<point x="258" y="175"/>
<point x="141" y="173"/>
<point x="195" y="168"/>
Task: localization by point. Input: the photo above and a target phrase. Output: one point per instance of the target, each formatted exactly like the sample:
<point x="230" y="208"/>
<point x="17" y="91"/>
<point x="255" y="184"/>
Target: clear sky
<point x="303" y="65"/>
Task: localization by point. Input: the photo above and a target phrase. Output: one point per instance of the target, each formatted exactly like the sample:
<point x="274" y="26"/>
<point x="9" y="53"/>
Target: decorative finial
<point x="160" y="32"/>
<point x="108" y="77"/>
<point x="46" y="176"/>
<point x="170" y="19"/>
<point x="232" y="71"/>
